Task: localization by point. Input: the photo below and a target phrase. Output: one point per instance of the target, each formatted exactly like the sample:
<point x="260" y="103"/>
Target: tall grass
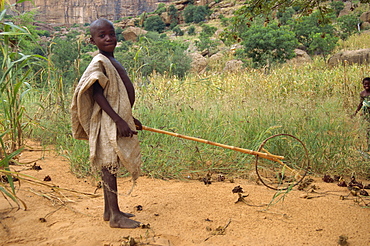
<point x="310" y="101"/>
<point x="15" y="79"/>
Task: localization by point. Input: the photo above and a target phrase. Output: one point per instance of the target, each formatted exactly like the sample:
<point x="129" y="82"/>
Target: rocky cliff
<point x="68" y="12"/>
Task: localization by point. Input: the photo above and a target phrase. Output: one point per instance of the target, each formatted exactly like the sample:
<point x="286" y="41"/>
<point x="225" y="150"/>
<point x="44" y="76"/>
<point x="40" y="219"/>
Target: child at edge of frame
<point x="101" y="112"/>
<point x="364" y="105"/>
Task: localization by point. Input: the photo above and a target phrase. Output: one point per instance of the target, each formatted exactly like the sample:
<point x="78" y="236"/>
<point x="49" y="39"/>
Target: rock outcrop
<point x="233" y="66"/>
<point x="83" y="11"/>
<point x="199" y="63"/>
<point x="301" y="56"/>
<point x="132" y="33"/>
<point x="350" y="57"/>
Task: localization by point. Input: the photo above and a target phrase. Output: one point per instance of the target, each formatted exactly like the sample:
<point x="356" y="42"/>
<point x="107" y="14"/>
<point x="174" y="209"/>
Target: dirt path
<point x="179" y="213"/>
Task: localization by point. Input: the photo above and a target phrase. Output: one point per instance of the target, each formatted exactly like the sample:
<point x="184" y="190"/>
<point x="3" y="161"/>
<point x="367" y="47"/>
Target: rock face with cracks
<point x="83" y="11"/>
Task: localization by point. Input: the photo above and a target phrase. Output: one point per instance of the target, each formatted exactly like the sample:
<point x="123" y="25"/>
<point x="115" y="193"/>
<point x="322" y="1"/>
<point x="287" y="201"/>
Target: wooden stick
<point x="247" y="151"/>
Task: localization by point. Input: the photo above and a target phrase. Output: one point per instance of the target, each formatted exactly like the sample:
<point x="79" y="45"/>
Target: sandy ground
<point x="178" y="212"/>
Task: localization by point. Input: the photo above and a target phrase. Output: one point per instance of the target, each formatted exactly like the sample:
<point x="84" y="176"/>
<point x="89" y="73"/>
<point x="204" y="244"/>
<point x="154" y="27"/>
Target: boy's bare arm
<point x="359" y="106"/>
<point x="122" y="126"/>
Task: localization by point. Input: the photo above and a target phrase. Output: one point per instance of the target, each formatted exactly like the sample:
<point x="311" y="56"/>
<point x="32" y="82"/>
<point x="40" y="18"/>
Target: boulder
<point x="131" y="33"/>
<point x="180" y="6"/>
<point x="182" y="2"/>
<point x="205" y="2"/>
<point x="126" y="23"/>
<point x="301" y="57"/>
<point x="233" y="66"/>
<point x="198" y="63"/>
<point x="348" y="9"/>
<point x="365" y="25"/>
<point x="350" y="57"/>
<point x="365" y="17"/>
<point x="166" y="18"/>
<point x="216" y="58"/>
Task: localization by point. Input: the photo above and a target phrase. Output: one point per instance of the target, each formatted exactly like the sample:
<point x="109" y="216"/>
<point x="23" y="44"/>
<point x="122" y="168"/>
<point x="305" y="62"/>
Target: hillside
<point x="79" y="12"/>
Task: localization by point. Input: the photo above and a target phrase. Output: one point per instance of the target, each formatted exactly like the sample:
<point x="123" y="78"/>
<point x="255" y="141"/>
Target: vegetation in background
<point x="196" y="14"/>
<point x="266" y="45"/>
<point x="153" y="54"/>
<point x="205" y="41"/>
<point x="16" y="78"/>
<point x="154" y="23"/>
<point x="241" y="109"/>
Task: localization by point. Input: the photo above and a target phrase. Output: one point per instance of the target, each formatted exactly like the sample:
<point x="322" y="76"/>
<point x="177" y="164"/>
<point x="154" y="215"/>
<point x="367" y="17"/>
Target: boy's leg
<point x="117" y="219"/>
<point x="106" y="215"/>
<point x="368" y="139"/>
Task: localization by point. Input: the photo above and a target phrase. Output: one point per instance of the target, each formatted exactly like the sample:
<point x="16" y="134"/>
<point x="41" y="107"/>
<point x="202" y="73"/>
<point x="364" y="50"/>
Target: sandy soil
<point x="178" y="212"/>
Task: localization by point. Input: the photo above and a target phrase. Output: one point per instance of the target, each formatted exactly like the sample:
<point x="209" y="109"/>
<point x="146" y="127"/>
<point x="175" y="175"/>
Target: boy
<point x="101" y="113"/>
<point x="365" y="106"/>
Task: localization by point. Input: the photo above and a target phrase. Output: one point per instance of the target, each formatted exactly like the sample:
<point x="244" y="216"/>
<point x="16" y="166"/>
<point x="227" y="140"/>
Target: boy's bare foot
<point x="120" y="221"/>
<point x="106" y="215"/>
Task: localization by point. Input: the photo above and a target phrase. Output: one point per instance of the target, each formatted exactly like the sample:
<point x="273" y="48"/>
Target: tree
<point x="323" y="44"/>
<point x="64" y="53"/>
<point x="337" y="6"/>
<point x="207" y="30"/>
<point x="178" y="31"/>
<point x="268" y="44"/>
<point x="173" y="13"/>
<point x="348" y="25"/>
<point x="195" y="14"/>
<point x="254" y="8"/>
<point x="154" y="23"/>
<point x="153" y="53"/>
<point x="188" y="13"/>
<point x="200" y="14"/>
<point x="306" y="27"/>
<point x="285" y="16"/>
<point x="191" y="30"/>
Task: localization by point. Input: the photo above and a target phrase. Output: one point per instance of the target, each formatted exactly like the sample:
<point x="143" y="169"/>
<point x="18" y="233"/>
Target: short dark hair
<point x="97" y="23"/>
<point x="366" y="79"/>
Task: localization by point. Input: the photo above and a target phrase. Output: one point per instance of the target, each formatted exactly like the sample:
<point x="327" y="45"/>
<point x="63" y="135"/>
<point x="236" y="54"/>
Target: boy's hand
<point x="138" y="124"/>
<point x="123" y="130"/>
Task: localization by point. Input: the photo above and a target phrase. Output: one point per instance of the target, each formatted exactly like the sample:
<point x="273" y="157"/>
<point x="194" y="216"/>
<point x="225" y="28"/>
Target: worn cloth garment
<point x="366" y="115"/>
<point x="366" y="107"/>
<point x="90" y="122"/>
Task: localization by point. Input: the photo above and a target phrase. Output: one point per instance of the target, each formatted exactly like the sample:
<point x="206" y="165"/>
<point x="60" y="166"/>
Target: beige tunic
<point x="90" y="122"/>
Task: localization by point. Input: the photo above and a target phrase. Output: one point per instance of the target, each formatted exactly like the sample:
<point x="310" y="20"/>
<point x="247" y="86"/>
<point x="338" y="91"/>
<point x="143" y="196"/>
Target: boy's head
<point x="103" y="35"/>
<point x="366" y="83"/>
<point x="367" y="79"/>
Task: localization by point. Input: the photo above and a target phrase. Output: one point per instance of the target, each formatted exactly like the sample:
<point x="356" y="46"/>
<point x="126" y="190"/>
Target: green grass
<point x="312" y="102"/>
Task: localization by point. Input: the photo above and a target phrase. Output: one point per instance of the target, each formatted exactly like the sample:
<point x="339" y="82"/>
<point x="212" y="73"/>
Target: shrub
<point x="178" y="31"/>
<point x="285" y="17"/>
<point x="153" y="53"/>
<point x="337" y="6"/>
<point x="154" y="23"/>
<point x="308" y="26"/>
<point x="191" y="30"/>
<point x="268" y="44"/>
<point x="347" y="25"/>
<point x="207" y="30"/>
<point x="323" y="44"/>
<point x="195" y="14"/>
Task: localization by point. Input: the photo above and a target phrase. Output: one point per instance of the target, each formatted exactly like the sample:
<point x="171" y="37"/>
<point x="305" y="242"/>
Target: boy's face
<point x="366" y="85"/>
<point x="104" y="37"/>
